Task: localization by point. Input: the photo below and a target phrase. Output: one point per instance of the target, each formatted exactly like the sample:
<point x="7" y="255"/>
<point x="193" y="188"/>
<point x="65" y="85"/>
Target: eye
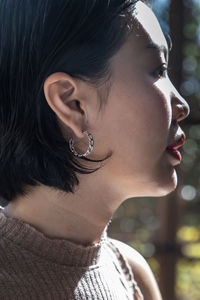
<point x="162" y="71"/>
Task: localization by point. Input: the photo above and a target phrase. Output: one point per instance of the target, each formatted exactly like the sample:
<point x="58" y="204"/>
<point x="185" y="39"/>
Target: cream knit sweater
<point x="34" y="266"/>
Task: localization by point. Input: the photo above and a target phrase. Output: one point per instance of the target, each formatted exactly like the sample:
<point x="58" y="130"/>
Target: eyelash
<point x="162" y="69"/>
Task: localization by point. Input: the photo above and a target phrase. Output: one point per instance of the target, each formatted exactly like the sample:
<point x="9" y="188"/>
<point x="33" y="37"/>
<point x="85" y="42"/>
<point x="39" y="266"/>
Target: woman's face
<point x="140" y="118"/>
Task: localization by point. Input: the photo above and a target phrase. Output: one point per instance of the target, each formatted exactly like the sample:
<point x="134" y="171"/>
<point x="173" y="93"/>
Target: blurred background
<point x="166" y="230"/>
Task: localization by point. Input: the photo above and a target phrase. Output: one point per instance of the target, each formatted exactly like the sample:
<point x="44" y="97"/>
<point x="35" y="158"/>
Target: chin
<point x="156" y="186"/>
<point x="169" y="184"/>
<point x="163" y="185"/>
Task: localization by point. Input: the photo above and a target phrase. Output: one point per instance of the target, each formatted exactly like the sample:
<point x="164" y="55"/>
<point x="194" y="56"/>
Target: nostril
<point x="175" y="123"/>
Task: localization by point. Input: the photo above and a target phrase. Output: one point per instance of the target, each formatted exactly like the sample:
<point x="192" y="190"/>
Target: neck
<point x="80" y="217"/>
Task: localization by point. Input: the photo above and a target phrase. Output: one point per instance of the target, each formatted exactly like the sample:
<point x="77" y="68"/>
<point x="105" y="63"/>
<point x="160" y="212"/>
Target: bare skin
<point x="139" y="121"/>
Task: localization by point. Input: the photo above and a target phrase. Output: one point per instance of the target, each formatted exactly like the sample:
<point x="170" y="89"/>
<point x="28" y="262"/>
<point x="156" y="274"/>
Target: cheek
<point x="138" y="120"/>
<point x="145" y="118"/>
<point x="155" y="112"/>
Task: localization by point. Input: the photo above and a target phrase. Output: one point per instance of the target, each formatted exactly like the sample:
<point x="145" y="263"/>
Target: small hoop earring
<point x="90" y="147"/>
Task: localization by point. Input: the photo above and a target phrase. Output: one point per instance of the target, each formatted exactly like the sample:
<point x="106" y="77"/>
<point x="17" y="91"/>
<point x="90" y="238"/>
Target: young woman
<point x="87" y="112"/>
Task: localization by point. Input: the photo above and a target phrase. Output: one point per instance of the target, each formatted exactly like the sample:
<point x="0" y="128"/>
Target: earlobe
<point x="59" y="91"/>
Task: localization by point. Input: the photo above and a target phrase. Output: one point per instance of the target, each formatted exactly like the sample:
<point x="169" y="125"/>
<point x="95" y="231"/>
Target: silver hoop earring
<point x="90" y="147"/>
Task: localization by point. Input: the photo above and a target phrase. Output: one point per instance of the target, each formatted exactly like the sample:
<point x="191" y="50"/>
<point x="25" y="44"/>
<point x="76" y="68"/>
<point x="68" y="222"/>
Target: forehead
<point x="146" y="28"/>
<point x="145" y="34"/>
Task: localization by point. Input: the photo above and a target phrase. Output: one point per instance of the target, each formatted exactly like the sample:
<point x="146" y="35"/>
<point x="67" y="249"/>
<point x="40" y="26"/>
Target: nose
<point x="180" y="107"/>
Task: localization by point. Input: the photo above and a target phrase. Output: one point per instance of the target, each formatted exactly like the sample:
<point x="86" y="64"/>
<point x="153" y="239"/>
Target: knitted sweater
<point x="34" y="266"/>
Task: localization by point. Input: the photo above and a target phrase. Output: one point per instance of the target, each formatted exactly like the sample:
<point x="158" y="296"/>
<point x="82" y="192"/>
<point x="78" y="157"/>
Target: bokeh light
<point x="188" y="192"/>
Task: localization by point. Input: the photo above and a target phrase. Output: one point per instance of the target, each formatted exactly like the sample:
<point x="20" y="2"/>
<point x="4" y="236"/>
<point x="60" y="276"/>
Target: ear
<point x="64" y="94"/>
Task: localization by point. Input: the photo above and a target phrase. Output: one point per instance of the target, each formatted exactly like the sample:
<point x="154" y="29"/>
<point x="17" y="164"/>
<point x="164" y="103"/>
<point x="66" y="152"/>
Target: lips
<point x="179" y="143"/>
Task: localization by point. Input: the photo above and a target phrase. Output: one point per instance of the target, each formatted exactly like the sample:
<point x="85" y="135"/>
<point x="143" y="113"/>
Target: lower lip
<point x="175" y="153"/>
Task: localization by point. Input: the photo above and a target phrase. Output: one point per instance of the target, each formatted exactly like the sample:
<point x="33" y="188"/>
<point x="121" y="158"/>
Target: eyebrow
<point x="161" y="48"/>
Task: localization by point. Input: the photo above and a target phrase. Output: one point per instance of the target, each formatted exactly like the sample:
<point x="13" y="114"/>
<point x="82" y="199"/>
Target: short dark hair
<point x="38" y="38"/>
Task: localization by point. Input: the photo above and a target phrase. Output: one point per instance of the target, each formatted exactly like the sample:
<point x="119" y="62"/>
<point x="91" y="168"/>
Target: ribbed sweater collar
<point x="57" y="250"/>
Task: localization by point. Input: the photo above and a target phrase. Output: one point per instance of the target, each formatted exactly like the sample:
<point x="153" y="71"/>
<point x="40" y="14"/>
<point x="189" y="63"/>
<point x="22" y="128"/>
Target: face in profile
<point x="143" y="112"/>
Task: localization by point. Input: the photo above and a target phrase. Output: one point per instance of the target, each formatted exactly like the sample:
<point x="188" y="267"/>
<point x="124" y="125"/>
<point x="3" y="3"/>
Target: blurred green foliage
<point x="188" y="279"/>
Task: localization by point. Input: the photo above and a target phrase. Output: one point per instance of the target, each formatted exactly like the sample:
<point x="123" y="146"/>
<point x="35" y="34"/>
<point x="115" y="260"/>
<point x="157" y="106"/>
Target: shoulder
<point x="141" y="271"/>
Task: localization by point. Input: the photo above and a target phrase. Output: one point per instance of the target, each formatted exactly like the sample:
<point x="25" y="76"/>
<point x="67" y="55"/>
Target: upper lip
<point x="178" y="143"/>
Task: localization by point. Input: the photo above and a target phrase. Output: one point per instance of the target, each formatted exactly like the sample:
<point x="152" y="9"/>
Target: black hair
<point x="38" y="38"/>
